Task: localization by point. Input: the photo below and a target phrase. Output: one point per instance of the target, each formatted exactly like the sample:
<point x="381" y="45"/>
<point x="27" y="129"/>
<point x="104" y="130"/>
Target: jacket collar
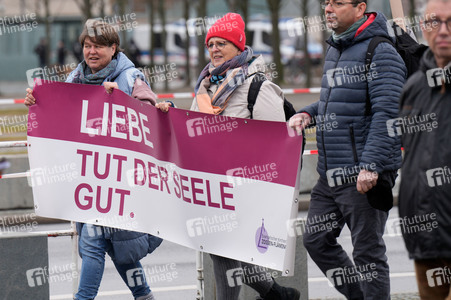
<point x="376" y="25"/>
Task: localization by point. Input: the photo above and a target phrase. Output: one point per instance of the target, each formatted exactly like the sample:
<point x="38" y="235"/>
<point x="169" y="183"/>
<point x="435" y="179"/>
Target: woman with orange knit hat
<point x="222" y="89"/>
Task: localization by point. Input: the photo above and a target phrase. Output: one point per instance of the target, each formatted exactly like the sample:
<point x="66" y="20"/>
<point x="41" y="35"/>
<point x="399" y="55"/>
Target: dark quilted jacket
<point x="425" y="191"/>
<point x="356" y="139"/>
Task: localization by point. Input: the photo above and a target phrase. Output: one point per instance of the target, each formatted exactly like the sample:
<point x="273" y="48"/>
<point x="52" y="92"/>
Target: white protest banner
<point x="217" y="184"/>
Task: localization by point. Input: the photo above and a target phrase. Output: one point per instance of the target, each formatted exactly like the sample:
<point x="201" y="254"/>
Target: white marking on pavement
<point x="392" y="275"/>
<point x="127" y="292"/>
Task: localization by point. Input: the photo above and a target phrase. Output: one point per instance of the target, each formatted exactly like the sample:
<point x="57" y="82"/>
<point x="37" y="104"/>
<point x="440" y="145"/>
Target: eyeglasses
<point x="219" y="45"/>
<point x="335" y="4"/>
<point x="436" y="24"/>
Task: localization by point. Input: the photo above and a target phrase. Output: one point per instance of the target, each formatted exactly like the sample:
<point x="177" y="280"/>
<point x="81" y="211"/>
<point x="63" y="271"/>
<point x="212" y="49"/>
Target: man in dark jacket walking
<point x="425" y="128"/>
<point x="355" y="151"/>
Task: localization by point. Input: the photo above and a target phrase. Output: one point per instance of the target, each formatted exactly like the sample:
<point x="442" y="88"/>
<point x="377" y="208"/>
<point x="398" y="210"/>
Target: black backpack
<point x="288" y="108"/>
<point x="409" y="50"/>
<point x="254" y="89"/>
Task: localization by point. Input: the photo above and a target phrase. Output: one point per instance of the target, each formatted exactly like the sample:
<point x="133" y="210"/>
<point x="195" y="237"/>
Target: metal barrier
<point x="72" y="233"/>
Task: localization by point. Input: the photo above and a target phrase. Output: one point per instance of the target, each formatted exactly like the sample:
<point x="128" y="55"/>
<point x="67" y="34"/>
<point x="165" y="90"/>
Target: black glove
<point x="381" y="196"/>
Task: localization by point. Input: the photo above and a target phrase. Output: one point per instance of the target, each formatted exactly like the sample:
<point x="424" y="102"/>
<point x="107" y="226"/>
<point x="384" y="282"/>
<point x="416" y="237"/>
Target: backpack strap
<point x="369" y="57"/>
<point x="254" y="89"/>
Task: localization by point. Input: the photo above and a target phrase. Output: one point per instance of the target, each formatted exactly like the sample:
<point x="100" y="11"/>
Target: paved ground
<point x="183" y="286"/>
<point x="405" y="296"/>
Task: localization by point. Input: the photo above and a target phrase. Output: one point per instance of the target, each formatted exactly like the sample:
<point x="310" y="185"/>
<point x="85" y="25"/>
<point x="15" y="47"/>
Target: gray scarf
<point x="350" y="30"/>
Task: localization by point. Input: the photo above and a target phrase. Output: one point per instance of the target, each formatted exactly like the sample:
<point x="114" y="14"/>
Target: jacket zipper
<point x="354" y="148"/>
<point x="325" y="112"/>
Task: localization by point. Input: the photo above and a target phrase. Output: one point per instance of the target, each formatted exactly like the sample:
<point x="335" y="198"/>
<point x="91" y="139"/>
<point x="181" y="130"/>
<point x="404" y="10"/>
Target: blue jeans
<point x="92" y="247"/>
<point x="367" y="276"/>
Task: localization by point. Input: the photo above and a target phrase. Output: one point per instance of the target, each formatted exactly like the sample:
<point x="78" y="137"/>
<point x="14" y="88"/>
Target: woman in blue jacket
<point x="105" y="64"/>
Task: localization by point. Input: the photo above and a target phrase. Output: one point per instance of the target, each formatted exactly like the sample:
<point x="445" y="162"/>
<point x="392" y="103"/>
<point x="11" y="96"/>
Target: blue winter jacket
<point x="346" y="137"/>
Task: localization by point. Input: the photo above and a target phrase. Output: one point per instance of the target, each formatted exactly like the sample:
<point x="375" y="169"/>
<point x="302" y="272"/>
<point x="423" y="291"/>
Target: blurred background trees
<point x="173" y="32"/>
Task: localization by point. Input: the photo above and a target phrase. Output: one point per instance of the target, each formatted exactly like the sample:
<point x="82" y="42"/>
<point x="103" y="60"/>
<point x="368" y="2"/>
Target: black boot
<point x="278" y="292"/>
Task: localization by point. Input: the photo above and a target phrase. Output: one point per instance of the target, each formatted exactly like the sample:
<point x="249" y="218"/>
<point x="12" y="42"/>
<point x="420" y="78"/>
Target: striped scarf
<point x="233" y="71"/>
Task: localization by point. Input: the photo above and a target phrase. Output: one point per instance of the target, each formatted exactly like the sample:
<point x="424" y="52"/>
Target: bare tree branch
<point x="274" y="8"/>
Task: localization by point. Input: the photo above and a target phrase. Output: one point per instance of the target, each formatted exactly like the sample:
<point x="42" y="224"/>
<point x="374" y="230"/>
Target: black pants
<point x="330" y="209"/>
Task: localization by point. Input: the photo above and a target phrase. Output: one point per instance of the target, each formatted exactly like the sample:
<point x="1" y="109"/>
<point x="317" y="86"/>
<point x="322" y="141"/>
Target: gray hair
<point x="425" y="3"/>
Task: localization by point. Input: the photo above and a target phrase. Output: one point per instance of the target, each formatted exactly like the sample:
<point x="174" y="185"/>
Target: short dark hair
<point x="101" y="33"/>
<point x="357" y="2"/>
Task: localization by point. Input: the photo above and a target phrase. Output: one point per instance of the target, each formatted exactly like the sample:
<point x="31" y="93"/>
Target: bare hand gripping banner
<point x="218" y="184"/>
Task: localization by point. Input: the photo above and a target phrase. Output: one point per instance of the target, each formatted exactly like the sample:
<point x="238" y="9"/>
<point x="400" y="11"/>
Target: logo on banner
<point x="262" y="238"/>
